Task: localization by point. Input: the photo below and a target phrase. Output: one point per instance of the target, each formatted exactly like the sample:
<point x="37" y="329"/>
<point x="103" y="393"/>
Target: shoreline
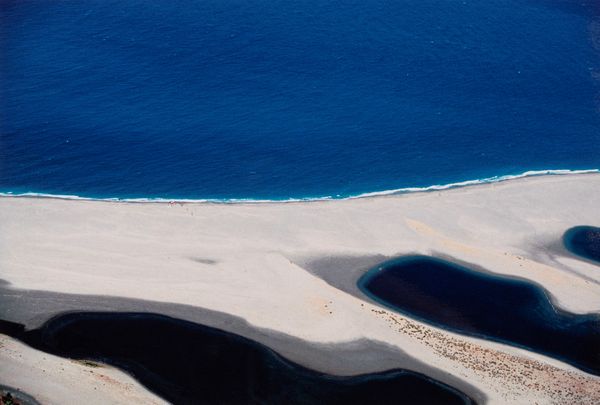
<point x="32" y="309"/>
<point x="156" y="373"/>
<point x="568" y="319"/>
<point x="284" y="269"/>
<point x="383" y="193"/>
<point x="44" y="378"/>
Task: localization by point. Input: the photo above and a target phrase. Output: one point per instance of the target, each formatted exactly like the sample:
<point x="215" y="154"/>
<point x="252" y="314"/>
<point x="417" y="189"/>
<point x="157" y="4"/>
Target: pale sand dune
<point x="54" y="380"/>
<point x="247" y="260"/>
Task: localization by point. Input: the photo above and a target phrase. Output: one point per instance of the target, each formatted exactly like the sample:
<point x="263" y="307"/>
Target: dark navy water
<point x="584" y="241"/>
<point x="187" y="363"/>
<point x="485" y="305"/>
<point x="278" y="99"/>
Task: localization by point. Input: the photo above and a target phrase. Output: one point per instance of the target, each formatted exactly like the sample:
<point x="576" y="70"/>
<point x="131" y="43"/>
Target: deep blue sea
<point x="268" y="99"/>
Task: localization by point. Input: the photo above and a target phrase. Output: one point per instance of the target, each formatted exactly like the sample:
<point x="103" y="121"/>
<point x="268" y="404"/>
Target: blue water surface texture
<point x="268" y="99"/>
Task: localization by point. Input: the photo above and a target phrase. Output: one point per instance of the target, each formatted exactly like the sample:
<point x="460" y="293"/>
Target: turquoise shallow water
<point x="279" y="99"/>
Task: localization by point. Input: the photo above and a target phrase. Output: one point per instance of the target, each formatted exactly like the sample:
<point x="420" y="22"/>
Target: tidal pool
<point x="490" y="306"/>
<point x="584" y="241"/>
<point x="189" y="363"/>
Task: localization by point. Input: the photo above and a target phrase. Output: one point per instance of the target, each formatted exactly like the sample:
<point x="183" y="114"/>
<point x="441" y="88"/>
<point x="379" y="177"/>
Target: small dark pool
<point x="190" y="363"/>
<point x="490" y="306"/>
<point x="584" y="241"/>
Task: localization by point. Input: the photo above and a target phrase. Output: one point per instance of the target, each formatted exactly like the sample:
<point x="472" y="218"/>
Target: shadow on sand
<point x="186" y="362"/>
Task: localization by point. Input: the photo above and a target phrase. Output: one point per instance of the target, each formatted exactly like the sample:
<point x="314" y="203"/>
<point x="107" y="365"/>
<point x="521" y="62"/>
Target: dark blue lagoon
<point x="485" y="305"/>
<point x="187" y="363"/>
<point x="273" y="99"/>
<point x="584" y="241"/>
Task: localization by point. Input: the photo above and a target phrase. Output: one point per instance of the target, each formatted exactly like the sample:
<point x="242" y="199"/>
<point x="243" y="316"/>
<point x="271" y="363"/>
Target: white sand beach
<point x="55" y="380"/>
<point x="251" y="260"/>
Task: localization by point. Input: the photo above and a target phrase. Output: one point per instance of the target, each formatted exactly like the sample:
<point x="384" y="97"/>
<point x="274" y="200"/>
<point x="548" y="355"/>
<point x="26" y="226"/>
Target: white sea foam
<point x="487" y="180"/>
<point x="436" y="187"/>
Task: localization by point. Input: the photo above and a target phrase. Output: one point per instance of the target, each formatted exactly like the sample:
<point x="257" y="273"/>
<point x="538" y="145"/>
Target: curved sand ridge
<point x="247" y="260"/>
